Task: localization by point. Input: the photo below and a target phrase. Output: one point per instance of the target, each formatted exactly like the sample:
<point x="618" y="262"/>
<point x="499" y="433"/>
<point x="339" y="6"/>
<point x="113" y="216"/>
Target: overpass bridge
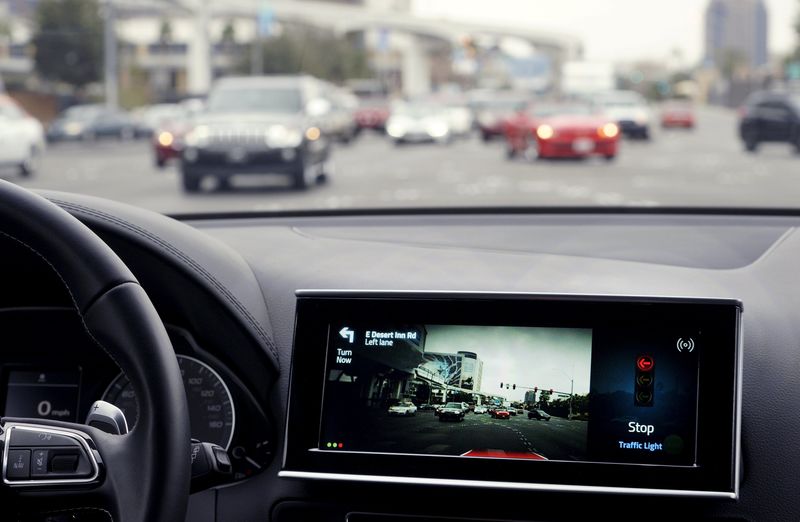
<point x="412" y="37"/>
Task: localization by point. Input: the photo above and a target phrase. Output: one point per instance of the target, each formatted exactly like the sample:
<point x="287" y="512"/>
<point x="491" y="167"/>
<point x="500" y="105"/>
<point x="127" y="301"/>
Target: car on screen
<point x="770" y="117"/>
<point x="501" y="413"/>
<point x="452" y="411"/>
<point x="538" y="414"/>
<point x="267" y="125"/>
<point x="561" y="130"/>
<point x="21" y="139"/>
<point x="479" y="410"/>
<point x="403" y="409"/>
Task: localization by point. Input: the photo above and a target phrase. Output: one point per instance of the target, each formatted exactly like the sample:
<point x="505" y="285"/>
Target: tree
<point x="69" y="41"/>
<point x="165" y="32"/>
<point x="313" y="52"/>
<point x="544" y="397"/>
<point x="229" y="33"/>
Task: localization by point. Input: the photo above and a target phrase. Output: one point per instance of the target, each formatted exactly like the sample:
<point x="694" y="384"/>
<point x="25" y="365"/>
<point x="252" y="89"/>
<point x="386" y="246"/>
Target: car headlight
<point x="437" y="129"/>
<point x="545" y="132"/>
<point x="73" y="128"/>
<point x="396" y="130"/>
<point x="198" y="137"/>
<point x="281" y="137"/>
<point x="609" y="130"/>
<point x="165" y="138"/>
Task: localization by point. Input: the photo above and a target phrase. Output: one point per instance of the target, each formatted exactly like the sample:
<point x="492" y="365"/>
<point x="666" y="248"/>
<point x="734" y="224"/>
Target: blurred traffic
<point x="303" y="109"/>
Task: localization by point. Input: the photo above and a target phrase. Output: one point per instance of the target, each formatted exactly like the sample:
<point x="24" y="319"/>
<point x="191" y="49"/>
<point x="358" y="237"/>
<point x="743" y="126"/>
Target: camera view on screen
<point x="469" y="391"/>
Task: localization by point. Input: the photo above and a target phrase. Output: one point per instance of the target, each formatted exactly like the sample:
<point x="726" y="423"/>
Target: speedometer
<point x="211" y="411"/>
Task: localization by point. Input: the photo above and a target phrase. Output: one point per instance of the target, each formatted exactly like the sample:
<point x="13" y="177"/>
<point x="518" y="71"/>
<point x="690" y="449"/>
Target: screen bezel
<point x="717" y="445"/>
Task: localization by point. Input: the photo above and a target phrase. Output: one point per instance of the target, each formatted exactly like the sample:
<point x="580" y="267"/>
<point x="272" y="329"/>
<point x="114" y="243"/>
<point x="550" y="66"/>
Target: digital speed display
<point x="211" y="409"/>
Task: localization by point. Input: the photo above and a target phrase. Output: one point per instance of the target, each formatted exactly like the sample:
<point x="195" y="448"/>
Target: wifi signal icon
<point x="685" y="344"/>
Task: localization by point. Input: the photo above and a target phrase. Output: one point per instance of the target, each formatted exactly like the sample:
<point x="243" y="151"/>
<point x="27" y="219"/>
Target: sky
<point x="616" y="30"/>
<point x="543" y="357"/>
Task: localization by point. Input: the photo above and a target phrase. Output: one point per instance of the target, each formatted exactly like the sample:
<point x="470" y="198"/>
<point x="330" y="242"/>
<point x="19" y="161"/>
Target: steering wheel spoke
<point x="39" y="455"/>
<point x="57" y="467"/>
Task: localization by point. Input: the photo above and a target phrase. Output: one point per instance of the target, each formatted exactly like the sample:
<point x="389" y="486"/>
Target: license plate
<point x="237" y="155"/>
<point x="583" y="145"/>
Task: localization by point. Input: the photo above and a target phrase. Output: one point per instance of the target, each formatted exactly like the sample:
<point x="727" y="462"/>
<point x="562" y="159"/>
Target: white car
<point x="460" y="119"/>
<point x="479" y="409"/>
<point x="21" y="138"/>
<point x="629" y="110"/>
<point x="418" y="123"/>
<point x="405" y="409"/>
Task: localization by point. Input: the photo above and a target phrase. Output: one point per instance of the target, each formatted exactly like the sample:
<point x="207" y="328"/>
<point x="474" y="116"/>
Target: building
<point x="530" y="397"/>
<point x="736" y="35"/>
<point x="460" y="369"/>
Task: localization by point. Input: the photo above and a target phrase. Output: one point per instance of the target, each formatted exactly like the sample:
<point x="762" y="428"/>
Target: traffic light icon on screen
<point x="644" y="380"/>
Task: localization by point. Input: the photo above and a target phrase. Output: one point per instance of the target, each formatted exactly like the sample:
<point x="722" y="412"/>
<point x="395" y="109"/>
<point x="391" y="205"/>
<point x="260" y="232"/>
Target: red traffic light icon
<point x="645" y="363"/>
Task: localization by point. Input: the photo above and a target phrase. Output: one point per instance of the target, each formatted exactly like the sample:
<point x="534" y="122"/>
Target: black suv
<point x="260" y="125"/>
<point x="771" y="117"/>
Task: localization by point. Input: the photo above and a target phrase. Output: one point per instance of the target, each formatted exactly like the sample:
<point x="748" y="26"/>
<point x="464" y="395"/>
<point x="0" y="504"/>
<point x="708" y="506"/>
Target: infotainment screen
<point x="511" y="392"/>
<point x="499" y="385"/>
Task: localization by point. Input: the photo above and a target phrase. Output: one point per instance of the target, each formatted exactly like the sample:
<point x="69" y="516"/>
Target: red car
<point x="677" y="114"/>
<point x="372" y="116"/>
<point x="168" y="142"/>
<point x="561" y="131"/>
<point x="501" y="414"/>
<point x="492" y="116"/>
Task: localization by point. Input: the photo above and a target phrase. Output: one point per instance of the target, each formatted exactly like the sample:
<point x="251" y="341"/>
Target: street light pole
<point x="571" y="387"/>
<point x="110" y="55"/>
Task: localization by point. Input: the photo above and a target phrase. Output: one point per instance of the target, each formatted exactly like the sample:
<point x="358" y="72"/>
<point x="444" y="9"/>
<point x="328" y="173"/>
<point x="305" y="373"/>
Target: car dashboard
<point x="229" y="289"/>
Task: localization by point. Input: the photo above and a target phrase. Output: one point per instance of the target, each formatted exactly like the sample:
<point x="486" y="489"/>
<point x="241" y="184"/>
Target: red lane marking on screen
<point x="501" y="454"/>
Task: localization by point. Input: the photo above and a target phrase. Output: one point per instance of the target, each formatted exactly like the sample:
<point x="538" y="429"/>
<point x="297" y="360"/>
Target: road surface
<point x="704" y="167"/>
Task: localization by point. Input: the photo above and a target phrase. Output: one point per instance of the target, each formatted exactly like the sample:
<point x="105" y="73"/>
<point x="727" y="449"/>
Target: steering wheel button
<point x="18" y="465"/>
<point x="40" y="438"/>
<point x="64" y="464"/>
<point x="39" y="462"/>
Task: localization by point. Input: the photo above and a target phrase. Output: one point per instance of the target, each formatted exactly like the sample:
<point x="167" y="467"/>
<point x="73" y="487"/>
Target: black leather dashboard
<point x="234" y="280"/>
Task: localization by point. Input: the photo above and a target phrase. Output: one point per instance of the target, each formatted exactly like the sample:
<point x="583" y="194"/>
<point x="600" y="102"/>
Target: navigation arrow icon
<point x="347" y="333"/>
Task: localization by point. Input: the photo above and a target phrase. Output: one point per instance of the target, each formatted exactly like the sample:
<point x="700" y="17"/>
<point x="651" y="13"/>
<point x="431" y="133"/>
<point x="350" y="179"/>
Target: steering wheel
<point x="51" y="466"/>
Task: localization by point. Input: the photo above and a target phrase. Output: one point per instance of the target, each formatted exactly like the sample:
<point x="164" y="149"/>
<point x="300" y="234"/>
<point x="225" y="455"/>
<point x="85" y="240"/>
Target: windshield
<point x="255" y="99"/>
<point x="308" y="105"/>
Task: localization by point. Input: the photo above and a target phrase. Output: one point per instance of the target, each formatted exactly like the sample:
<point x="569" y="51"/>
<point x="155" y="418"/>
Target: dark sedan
<point x="538" y="415"/>
<point x="452" y="411"/>
<point x="260" y="125"/>
<point x="770" y="116"/>
<point x="90" y="122"/>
